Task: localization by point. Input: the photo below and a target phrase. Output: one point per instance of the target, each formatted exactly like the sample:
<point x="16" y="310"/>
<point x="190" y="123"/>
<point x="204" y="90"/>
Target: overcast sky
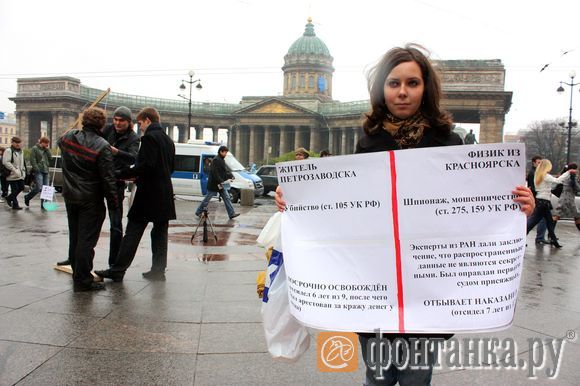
<point x="237" y="47"/>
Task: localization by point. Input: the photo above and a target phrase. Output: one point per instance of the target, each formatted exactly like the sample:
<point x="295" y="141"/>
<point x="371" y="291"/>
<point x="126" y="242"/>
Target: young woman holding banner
<point x="405" y="94"/>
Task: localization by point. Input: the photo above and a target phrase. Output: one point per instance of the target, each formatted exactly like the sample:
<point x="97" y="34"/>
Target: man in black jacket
<point x="88" y="177"/>
<point x="218" y="175"/>
<point x="153" y="200"/>
<point x="125" y="146"/>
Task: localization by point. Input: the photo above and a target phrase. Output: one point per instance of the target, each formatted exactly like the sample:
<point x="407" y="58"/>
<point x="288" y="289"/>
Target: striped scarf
<point x="406" y="132"/>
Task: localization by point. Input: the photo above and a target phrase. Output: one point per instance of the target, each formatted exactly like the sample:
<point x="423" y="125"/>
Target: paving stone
<point x="43" y="327"/>
<point x="18" y="295"/>
<point x="18" y="359"/>
<point x="74" y="366"/>
<point x="232" y="277"/>
<point x="140" y="336"/>
<point x="161" y="310"/>
<point x="69" y="302"/>
<point x="232" y="312"/>
<point x="232" y="338"/>
<point x="216" y="292"/>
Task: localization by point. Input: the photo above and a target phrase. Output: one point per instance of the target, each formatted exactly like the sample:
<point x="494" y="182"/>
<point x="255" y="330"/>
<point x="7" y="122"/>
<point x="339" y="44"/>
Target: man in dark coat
<point x="153" y="200"/>
<point x="87" y="169"/>
<point x="218" y="175"/>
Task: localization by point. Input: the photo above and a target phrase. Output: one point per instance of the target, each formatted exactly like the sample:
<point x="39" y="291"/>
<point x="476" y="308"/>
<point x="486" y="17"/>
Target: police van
<point x="191" y="172"/>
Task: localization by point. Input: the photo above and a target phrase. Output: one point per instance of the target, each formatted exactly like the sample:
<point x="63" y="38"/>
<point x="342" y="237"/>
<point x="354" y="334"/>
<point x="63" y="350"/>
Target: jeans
<point x="130" y="243"/>
<point x="541" y="231"/>
<point x="4" y="185"/>
<point x="224" y="194"/>
<point x="15" y="188"/>
<point x="84" y="227"/>
<point x="394" y="374"/>
<point x="116" y="222"/>
<point x="39" y="180"/>
<point x="542" y="211"/>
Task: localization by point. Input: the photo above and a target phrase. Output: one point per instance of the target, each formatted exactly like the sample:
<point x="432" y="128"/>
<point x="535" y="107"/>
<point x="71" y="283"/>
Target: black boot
<point x="556" y="244"/>
<point x="108" y="274"/>
<point x="578" y="226"/>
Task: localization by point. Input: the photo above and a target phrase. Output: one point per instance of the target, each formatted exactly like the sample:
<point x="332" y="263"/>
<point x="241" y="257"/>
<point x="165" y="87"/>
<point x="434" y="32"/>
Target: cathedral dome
<point x="309" y="43"/>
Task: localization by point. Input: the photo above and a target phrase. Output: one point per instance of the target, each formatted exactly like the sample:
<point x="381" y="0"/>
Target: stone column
<point x="199" y="131"/>
<point x="356" y="132"/>
<point x="331" y="141"/>
<point x="214" y="132"/>
<point x="183" y="134"/>
<point x="298" y="138"/>
<point x="283" y="146"/>
<point x="266" y="155"/>
<point x="232" y="139"/>
<point x="490" y="127"/>
<point x="344" y="141"/>
<point x="238" y="145"/>
<point x="315" y="139"/>
<point x="252" y="146"/>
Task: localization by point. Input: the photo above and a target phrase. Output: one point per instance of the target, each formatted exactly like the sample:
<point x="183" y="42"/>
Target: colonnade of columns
<point x="181" y="133"/>
<point x="259" y="144"/>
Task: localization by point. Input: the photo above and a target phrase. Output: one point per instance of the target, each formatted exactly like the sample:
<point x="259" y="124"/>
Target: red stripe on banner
<point x="395" y="207"/>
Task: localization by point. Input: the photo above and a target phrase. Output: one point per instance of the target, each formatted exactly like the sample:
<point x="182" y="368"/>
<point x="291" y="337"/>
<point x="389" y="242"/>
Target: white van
<point x="189" y="177"/>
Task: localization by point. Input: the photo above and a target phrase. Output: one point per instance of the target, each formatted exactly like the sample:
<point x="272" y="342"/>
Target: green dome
<point x="309" y="43"/>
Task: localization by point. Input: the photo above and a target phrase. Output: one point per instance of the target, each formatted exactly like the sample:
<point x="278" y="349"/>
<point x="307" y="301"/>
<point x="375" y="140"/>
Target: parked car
<point x="269" y="177"/>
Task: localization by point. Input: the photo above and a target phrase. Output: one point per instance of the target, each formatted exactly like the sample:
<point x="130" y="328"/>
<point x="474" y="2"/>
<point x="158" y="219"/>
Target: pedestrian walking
<point x="13" y="160"/>
<point x="566" y="203"/>
<point x="3" y="182"/>
<point x="541" y="231"/>
<point x="544" y="183"/>
<point x="153" y="200"/>
<point x="217" y="183"/>
<point x="40" y="159"/>
<point x="470" y="138"/>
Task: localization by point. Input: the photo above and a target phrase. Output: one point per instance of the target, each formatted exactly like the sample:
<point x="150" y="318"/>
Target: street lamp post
<point x="560" y="90"/>
<point x="183" y="87"/>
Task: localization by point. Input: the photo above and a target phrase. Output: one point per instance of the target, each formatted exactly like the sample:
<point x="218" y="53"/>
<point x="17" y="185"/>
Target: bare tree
<point x="549" y="139"/>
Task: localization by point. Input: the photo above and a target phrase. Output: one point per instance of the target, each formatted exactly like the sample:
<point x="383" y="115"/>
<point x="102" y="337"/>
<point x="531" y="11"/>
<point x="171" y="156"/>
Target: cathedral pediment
<point x="274" y="106"/>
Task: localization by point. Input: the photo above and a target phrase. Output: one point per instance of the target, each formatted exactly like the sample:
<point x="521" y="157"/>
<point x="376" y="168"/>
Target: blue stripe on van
<point x="186" y="175"/>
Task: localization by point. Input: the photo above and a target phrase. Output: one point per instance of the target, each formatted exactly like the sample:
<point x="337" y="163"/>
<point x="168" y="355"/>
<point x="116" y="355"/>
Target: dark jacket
<point x="40" y="159"/>
<point x="127" y="144"/>
<point x="219" y="173"/>
<point x="530" y="180"/>
<point x="87" y="167"/>
<point x="383" y="141"/>
<point x="155" y="163"/>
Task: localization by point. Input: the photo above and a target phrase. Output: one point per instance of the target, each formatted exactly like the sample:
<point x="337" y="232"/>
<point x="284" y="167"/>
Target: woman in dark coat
<point x="405" y="94"/>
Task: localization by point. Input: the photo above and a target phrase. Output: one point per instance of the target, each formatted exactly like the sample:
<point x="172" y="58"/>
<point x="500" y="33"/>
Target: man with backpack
<point x="13" y="160"/>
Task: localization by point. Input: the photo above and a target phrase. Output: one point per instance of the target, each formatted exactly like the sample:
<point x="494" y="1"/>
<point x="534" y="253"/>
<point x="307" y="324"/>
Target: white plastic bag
<point x="286" y="338"/>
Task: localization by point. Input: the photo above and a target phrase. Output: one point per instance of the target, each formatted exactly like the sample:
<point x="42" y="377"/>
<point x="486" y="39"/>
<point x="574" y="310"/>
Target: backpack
<point x="4" y="171"/>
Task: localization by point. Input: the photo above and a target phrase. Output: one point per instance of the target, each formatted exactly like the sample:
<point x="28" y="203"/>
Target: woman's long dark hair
<point x="438" y="119"/>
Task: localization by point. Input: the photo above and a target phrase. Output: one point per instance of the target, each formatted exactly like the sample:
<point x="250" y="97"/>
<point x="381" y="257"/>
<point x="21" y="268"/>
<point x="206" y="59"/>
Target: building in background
<point x="7" y="129"/>
<point x="262" y="127"/>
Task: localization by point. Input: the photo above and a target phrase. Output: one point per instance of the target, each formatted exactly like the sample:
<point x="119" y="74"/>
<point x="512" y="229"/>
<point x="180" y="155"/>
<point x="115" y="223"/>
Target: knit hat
<point x="123" y="112"/>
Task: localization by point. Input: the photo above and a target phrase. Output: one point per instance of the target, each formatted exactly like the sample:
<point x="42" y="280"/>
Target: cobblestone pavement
<point x="202" y="326"/>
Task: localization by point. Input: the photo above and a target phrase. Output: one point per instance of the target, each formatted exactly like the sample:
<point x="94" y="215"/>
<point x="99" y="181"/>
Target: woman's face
<point x="404" y="89"/>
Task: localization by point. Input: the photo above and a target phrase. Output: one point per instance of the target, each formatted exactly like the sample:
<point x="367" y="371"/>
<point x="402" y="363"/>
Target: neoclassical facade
<point x="262" y="127"/>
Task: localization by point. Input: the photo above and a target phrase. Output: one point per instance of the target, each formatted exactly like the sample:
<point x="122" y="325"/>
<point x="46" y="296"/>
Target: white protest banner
<point x="47" y="192"/>
<point x="422" y="240"/>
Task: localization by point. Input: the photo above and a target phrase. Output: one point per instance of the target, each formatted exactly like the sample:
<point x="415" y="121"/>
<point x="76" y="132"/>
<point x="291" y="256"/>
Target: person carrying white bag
<point x="286" y="338"/>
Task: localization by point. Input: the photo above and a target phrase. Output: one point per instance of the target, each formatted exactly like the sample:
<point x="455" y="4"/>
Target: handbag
<point x="557" y="191"/>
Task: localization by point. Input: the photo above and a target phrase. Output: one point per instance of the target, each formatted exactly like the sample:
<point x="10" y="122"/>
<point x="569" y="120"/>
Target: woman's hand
<point x="525" y="198"/>
<point x="280" y="203"/>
